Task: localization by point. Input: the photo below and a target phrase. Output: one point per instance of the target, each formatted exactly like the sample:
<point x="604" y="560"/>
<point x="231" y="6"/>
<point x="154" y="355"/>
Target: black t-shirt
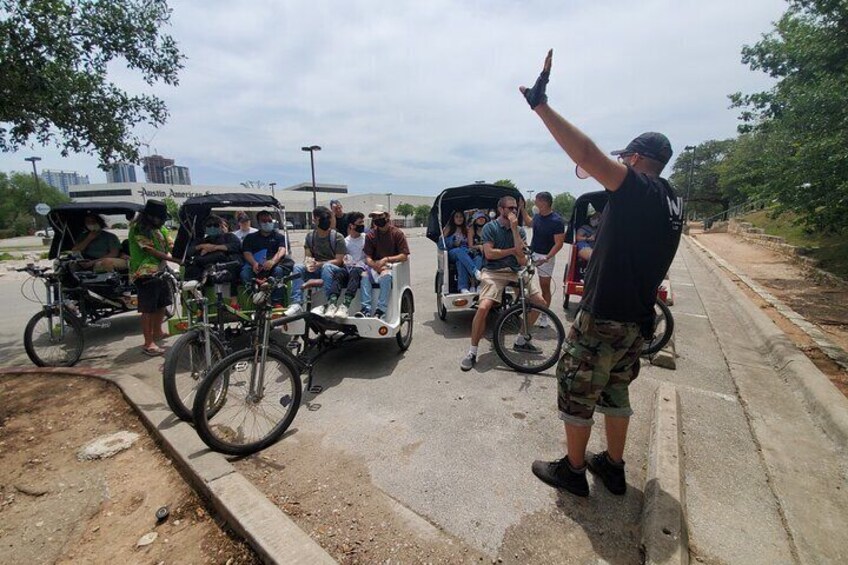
<point x="258" y="241"/>
<point x="635" y="244"/>
<point x="342" y="223"/>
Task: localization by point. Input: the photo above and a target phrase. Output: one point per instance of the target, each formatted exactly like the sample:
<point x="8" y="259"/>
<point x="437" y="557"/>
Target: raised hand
<point x="536" y="95"/>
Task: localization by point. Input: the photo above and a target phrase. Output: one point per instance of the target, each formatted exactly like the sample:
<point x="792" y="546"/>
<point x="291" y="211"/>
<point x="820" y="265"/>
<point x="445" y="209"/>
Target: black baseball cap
<point x="650" y="144"/>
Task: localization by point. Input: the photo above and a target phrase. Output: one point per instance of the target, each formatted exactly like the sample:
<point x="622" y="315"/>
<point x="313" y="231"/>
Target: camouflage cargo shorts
<point x="600" y="361"/>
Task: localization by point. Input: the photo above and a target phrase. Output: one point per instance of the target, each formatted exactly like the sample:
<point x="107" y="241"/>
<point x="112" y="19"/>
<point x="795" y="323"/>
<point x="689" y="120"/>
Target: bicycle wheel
<point x="185" y="367"/>
<point x="663" y="329"/>
<point x="247" y="421"/>
<point x="440" y="306"/>
<point x="173" y="292"/>
<point x="404" y="333"/>
<point x="545" y="343"/>
<point x="49" y="344"/>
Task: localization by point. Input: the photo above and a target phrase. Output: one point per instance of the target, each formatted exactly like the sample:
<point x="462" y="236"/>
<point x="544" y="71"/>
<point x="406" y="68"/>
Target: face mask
<point x="213" y="231"/>
<point x="360" y="229"/>
<point x="380" y="222"/>
<point x="92" y="227"/>
<point x="324" y="223"/>
<point x="267" y="227"/>
<point x="493" y="215"/>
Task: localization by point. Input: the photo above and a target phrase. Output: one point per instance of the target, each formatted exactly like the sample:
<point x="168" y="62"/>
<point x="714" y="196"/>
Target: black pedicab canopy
<point x="69" y="220"/>
<point x="468" y="197"/>
<point x="195" y="210"/>
<point x="580" y="212"/>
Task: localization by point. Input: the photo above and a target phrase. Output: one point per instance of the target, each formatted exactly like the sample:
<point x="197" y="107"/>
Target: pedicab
<point x="249" y="398"/>
<point x="515" y="313"/>
<point x="575" y="272"/>
<point x="217" y="313"/>
<point x="75" y="297"/>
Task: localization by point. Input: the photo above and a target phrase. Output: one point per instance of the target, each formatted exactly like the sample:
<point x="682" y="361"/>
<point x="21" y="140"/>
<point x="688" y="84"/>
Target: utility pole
<point x="312" y="149"/>
<point x="691" y="172"/>
<point x="272" y="185"/>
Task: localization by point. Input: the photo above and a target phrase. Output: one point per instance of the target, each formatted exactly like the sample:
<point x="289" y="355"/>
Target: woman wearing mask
<point x="475" y="238"/>
<point x="100" y="249"/>
<point x="455" y="238"/>
<point x="150" y="249"/>
<point x="585" y="236"/>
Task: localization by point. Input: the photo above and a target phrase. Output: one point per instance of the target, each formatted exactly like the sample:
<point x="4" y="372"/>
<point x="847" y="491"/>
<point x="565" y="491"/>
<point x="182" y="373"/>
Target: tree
<point x="405" y="210"/>
<point x="563" y="204"/>
<point x="253" y="184"/>
<point x="19" y="193"/>
<point x="54" y="59"/>
<point x="421" y="214"/>
<point x="506" y="182"/>
<point x="173" y="208"/>
<point x="697" y="176"/>
<point x="802" y="118"/>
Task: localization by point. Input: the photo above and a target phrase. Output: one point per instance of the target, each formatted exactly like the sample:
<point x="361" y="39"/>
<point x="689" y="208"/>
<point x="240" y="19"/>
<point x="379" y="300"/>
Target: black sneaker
<point x="559" y="474"/>
<point x="526" y="347"/>
<point x="611" y="475"/>
<point x="379" y="314"/>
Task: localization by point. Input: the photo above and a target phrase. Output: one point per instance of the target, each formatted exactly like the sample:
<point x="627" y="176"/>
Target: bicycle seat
<point x="313" y="283"/>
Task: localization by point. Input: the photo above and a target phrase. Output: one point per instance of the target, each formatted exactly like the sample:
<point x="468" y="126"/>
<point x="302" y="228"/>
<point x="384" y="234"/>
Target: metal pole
<point x="314" y="195"/>
<point x="273" y="194"/>
<point x="691" y="171"/>
<point x="390" y="201"/>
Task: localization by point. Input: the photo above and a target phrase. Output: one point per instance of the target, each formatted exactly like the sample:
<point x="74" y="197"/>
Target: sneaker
<point x="526" y="347"/>
<point x="341" y="312"/>
<point x="468" y="362"/>
<point x="362" y="314"/>
<point x="293" y="310"/>
<point x="330" y="311"/>
<point x="464" y="291"/>
<point x="559" y="474"/>
<point x="379" y="314"/>
<point x="611" y="475"/>
<point x="543" y="321"/>
<point x="319" y="310"/>
<point x="478" y="274"/>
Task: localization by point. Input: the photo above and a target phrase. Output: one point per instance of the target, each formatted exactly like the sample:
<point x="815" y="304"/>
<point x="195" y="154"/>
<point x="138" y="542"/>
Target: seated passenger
<point x="585" y="236"/>
<point x="385" y="244"/>
<point x="245" y="228"/>
<point x="100" y="249"/>
<point x="266" y="254"/>
<point x="217" y="246"/>
<point x="455" y="238"/>
<point x="324" y="249"/>
<point x="347" y="279"/>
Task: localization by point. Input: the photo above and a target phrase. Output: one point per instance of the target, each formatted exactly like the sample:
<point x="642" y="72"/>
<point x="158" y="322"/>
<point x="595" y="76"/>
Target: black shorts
<point x="153" y="294"/>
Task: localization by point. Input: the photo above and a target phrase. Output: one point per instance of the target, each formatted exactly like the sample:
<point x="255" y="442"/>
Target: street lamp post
<point x="693" y="149"/>
<point x="390" y="201"/>
<point x="272" y="185"/>
<point x="35" y="174"/>
<point x="312" y="149"/>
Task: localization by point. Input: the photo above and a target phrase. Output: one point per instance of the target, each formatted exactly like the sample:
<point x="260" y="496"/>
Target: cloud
<point x="413" y="97"/>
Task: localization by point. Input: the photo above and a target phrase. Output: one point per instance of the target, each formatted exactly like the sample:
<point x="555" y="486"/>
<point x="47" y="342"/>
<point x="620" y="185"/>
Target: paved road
<point x="455" y="448"/>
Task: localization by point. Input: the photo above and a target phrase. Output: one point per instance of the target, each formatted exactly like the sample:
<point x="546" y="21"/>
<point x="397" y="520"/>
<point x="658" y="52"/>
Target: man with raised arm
<point x="635" y="244"/>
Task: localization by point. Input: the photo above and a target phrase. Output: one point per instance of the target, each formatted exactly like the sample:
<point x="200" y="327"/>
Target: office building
<point x="61" y="180"/>
<point x="154" y="168"/>
<point x="121" y="172"/>
<point x="176" y="174"/>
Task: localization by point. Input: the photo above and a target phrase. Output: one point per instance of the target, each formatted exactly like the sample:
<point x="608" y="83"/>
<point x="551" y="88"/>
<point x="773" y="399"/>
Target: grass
<point x="6" y="257"/>
<point x="831" y="251"/>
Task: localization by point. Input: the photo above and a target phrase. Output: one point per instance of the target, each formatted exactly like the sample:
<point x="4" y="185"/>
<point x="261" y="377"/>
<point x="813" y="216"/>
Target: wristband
<point x="536" y="95"/>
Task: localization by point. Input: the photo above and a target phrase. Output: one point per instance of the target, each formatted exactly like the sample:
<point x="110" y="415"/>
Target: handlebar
<point x="33" y="270"/>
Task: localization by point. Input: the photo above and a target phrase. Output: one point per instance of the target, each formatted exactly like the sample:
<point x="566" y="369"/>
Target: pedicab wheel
<point x="184" y="369"/>
<point x="49" y="343"/>
<point x="441" y="310"/>
<point x="663" y="329"/>
<point x="404" y="333"/>
<point x="252" y="417"/>
<point x="171" y="309"/>
<point x="546" y="343"/>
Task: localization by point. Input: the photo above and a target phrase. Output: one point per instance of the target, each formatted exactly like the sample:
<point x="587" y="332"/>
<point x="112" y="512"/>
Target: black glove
<point x="536" y="95"/>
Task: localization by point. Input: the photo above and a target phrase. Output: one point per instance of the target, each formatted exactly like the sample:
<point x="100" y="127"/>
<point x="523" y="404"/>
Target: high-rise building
<point x="176" y="174"/>
<point x="61" y="180"/>
<point x="154" y="168"/>
<point x="121" y="172"/>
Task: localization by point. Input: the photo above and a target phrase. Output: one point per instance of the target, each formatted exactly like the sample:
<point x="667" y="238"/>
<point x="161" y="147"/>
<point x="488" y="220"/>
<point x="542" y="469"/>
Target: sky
<point x="413" y="97"/>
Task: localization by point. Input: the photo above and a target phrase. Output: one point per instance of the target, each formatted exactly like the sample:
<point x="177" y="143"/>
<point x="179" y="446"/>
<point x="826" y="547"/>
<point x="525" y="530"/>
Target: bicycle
<point x="521" y="345"/>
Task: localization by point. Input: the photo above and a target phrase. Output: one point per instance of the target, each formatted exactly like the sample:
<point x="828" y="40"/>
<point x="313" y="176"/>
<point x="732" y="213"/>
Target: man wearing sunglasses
<point x="635" y="244"/>
<point x="503" y="250"/>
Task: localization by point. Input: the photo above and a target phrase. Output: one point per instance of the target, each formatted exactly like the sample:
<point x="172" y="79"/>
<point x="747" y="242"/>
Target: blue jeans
<point x="465" y="265"/>
<point x="247" y="276"/>
<point x="326" y="274"/>
<point x="366" y="289"/>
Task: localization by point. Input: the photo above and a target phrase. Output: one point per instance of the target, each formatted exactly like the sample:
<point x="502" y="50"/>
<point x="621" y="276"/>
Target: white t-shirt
<point x="355" y="247"/>
<point x="241" y="234"/>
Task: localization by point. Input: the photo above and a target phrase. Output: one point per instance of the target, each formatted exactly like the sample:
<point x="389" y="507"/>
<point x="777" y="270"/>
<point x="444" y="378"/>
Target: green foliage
<point x="405" y="210"/>
<point x="563" y="204"/>
<point x="120" y="226"/>
<point x="421" y="214"/>
<point x="6" y="257"/>
<point x="19" y="193"/>
<point x="697" y="175"/>
<point x="54" y="60"/>
<point x="173" y="208"/>
<point x="506" y="182"/>
<point x="798" y="130"/>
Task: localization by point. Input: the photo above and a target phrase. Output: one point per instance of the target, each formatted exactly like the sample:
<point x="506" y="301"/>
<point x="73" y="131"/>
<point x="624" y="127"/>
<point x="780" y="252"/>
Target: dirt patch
<point x="331" y="497"/>
<point x="822" y="305"/>
<point x="57" y="509"/>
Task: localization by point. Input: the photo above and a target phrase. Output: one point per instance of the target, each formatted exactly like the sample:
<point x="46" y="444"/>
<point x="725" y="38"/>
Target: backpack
<point x="311" y="236"/>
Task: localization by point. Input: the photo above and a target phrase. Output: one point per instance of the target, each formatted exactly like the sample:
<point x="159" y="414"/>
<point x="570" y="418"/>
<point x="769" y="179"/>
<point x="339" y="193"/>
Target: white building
<point x="298" y="203"/>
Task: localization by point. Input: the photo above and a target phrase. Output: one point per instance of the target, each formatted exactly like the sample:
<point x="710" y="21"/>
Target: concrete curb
<point x="245" y="510"/>
<point x="665" y="537"/>
<point x="825" y="401"/>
